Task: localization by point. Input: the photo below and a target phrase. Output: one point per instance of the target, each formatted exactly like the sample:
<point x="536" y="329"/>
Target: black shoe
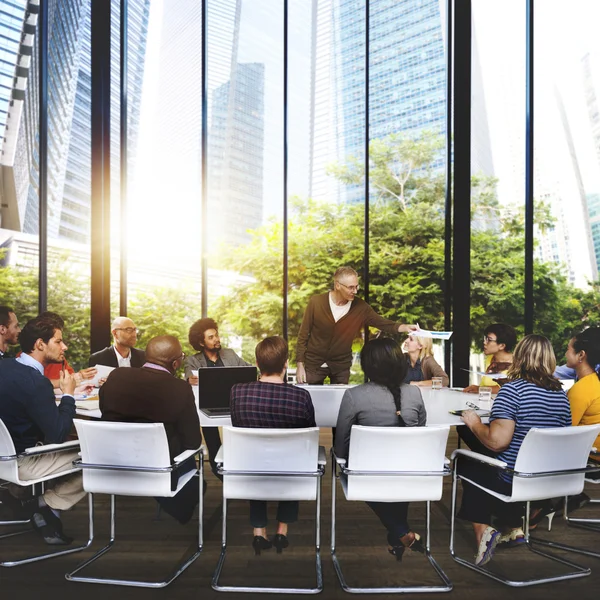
<point x="411" y="540"/>
<point x="49" y="527"/>
<point x="280" y="542"/>
<point x="260" y="543"/>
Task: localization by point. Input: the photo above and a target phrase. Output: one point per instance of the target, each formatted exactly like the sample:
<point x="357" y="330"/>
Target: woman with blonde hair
<point x="422" y="367"/>
<point x="532" y="397"/>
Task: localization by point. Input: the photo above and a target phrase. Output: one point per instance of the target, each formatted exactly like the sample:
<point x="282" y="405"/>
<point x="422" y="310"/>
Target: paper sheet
<point x="103" y="373"/>
<point x="436" y="335"/>
<point x="490" y="375"/>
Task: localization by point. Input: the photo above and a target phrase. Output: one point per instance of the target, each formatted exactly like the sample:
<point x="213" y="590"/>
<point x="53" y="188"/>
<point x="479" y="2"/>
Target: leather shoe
<point x="280" y="542"/>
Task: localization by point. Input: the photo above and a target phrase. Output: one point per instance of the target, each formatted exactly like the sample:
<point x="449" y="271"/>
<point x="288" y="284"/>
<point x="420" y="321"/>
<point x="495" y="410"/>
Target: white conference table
<point x="327" y="399"/>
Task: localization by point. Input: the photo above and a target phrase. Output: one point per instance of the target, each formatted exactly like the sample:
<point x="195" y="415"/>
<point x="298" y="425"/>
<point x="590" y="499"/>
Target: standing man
<point x="29" y="411"/>
<point x="331" y="322"/>
<point x="122" y="353"/>
<point x="204" y="338"/>
<point x="9" y="330"/>
<point x="152" y="394"/>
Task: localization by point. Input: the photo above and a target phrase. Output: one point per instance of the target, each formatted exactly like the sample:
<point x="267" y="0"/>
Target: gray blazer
<point x="198" y="361"/>
<point x="373" y="405"/>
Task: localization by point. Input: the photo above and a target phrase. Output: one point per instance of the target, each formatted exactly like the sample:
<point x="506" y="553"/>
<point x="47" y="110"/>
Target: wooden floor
<point x="149" y="548"/>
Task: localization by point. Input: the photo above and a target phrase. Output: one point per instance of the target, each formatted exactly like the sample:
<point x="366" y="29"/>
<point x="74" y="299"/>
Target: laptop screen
<point x="215" y="383"/>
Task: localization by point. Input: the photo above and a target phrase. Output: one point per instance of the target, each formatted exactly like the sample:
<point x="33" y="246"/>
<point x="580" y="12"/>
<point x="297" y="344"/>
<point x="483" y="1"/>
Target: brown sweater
<point x="150" y="396"/>
<point x="321" y="339"/>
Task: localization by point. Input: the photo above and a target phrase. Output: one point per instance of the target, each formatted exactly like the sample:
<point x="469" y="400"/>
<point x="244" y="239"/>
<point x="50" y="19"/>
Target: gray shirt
<point x="198" y="361"/>
<point x="373" y="405"/>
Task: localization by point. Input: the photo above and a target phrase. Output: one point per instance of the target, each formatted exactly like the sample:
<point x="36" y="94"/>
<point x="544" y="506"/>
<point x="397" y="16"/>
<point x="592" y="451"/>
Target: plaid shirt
<point x="271" y="405"/>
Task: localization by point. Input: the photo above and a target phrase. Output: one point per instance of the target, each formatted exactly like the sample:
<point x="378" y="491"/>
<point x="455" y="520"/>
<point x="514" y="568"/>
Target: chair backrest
<point x="8" y="468"/>
<point x="403" y="449"/>
<point x="124" y="444"/>
<point x="272" y="451"/>
<point x="553" y="449"/>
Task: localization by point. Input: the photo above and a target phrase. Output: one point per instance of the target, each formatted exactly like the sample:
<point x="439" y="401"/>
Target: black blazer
<point x="108" y="358"/>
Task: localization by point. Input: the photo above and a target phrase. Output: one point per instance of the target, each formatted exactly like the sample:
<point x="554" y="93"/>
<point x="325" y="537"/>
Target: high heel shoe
<point x="280" y="542"/>
<point x="260" y="543"/>
<point x="411" y="541"/>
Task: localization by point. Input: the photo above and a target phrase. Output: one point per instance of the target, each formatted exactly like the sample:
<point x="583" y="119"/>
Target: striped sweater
<point x="528" y="405"/>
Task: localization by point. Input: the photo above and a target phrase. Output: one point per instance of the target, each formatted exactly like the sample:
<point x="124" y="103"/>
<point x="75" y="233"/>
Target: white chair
<point x="551" y="462"/>
<point x="392" y="464"/>
<point x="271" y="464"/>
<point x="587" y="523"/>
<point x="9" y="471"/>
<point x="130" y="459"/>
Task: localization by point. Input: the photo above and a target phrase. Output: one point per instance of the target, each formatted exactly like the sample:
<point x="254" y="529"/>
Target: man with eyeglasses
<point x="122" y="353"/>
<point x="332" y="321"/>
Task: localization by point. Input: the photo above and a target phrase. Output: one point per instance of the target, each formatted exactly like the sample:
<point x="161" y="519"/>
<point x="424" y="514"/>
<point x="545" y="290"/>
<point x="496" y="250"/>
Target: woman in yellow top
<point x="583" y="354"/>
<point x="499" y="339"/>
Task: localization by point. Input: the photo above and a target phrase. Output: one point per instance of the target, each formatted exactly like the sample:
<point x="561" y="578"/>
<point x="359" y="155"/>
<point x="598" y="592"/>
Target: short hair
<point x="534" y="361"/>
<point x="271" y="355"/>
<point x="383" y="362"/>
<point x="5" y="312"/>
<point x="343" y="272"/>
<point x="505" y="334"/>
<point x="52" y="316"/>
<point x="197" y="331"/>
<point x="35" y="329"/>
<point x="589" y="342"/>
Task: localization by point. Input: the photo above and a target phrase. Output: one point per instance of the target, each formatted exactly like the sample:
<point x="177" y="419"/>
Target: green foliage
<point x="406" y="264"/>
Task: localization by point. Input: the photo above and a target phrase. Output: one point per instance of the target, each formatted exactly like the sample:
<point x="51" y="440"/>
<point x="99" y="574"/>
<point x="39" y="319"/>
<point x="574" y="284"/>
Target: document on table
<point x="484" y="374"/>
<point x="436" y="335"/>
<point x="87" y="404"/>
<point x="103" y="373"/>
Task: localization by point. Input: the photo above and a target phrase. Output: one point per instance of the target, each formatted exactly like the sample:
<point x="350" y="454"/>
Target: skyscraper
<point x="407" y="84"/>
<point x="236" y="153"/>
<point x="69" y="116"/>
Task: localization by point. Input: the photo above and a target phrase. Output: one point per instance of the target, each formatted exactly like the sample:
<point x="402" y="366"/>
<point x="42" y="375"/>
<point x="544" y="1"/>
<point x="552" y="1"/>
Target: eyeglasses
<point x="127" y="329"/>
<point x="351" y="288"/>
<point x="487" y="338"/>
<point x="181" y="358"/>
<point x="473" y="406"/>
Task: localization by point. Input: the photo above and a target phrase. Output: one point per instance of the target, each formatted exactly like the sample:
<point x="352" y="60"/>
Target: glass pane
<point x="567" y="168"/>
<point x="164" y="202"/>
<point x="245" y="171"/>
<point x="19" y="240"/>
<point x="497" y="169"/>
<point x="69" y="174"/>
<point x="327" y="129"/>
<point x="407" y="93"/>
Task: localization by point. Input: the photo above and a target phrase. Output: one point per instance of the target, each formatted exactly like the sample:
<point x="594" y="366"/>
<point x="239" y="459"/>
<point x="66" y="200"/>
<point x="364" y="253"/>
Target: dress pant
<point x="213" y="443"/>
<point x="287" y="512"/>
<point x="393" y="516"/>
<point x="64" y="492"/>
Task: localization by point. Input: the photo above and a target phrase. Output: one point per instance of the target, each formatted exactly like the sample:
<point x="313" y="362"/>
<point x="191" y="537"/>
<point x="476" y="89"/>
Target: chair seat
<point x="27" y="482"/>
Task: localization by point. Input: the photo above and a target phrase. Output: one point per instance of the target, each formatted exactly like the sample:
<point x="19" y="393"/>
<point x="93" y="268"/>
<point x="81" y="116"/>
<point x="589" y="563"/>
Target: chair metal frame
<point x="447" y="584"/>
<point x="72" y="576"/>
<point x="578" y="570"/>
<point x="318" y="475"/>
<point x="35" y="451"/>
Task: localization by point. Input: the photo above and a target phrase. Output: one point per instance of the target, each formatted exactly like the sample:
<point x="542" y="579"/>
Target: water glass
<point x="485" y="395"/>
<point x="436" y="383"/>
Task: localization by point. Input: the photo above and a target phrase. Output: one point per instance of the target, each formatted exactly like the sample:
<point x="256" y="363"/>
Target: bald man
<point x="152" y="394"/>
<point x="122" y="353"/>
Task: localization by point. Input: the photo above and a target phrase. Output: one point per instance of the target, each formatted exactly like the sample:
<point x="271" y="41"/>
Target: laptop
<point x="214" y="388"/>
